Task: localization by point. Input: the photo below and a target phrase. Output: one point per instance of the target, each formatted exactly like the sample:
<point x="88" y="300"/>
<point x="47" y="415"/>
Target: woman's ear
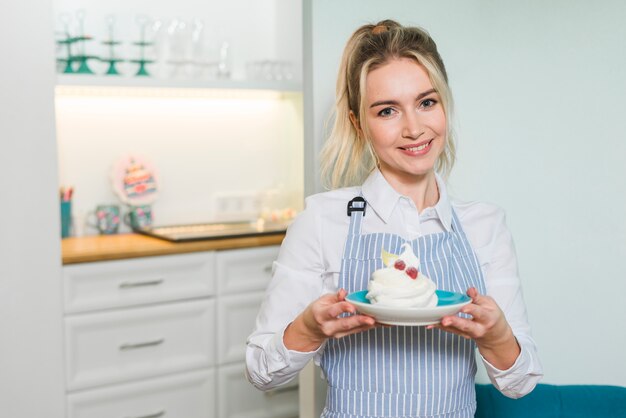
<point x="356" y="124"/>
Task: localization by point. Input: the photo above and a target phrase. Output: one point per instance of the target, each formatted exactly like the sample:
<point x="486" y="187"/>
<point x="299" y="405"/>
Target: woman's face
<point x="405" y="119"/>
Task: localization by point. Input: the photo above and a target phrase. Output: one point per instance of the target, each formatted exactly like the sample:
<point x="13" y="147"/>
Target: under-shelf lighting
<point x="161" y="93"/>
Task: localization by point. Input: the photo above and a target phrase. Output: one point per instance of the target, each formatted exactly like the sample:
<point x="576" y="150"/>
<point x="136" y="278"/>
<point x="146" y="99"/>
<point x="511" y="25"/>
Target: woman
<point x="392" y="145"/>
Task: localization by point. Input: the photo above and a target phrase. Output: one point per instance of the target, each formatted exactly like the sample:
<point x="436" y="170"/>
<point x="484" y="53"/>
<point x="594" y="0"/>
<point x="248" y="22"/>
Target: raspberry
<point x="412" y="272"/>
<point x="399" y="265"/>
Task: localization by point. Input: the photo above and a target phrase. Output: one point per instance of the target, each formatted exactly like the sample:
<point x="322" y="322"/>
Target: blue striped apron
<point x="403" y="371"/>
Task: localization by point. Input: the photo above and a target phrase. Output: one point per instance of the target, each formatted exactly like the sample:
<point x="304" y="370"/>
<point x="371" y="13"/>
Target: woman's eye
<point x="428" y="103"/>
<point x="386" y="112"/>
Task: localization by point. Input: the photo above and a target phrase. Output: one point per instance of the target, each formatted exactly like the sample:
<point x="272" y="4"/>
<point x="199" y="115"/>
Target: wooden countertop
<point x="121" y="246"/>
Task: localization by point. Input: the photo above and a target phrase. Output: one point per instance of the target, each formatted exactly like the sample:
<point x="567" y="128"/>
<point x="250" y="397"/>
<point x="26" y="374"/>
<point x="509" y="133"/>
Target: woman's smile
<point x="415" y="150"/>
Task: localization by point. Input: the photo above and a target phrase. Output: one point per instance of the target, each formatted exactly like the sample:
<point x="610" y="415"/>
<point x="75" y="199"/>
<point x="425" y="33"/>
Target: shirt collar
<point x="382" y="198"/>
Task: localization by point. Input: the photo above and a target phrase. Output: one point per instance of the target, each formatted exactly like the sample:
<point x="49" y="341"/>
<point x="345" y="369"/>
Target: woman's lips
<point x="417" y="149"/>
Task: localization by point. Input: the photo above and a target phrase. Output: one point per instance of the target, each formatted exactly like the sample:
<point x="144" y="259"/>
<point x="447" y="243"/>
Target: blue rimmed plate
<point x="449" y="303"/>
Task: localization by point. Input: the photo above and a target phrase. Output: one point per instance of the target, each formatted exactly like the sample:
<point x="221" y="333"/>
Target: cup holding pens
<point x="106" y="219"/>
<point x="66" y="218"/>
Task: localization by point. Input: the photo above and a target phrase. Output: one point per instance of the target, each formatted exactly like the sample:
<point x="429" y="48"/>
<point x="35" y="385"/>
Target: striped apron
<point x="403" y="371"/>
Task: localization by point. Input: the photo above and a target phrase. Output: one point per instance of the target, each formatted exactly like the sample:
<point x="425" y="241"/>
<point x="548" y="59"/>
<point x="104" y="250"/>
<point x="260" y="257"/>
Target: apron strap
<point x="356" y="212"/>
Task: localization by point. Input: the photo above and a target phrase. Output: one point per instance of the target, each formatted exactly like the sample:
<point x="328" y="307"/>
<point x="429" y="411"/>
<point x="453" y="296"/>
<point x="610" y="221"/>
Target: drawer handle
<point x="268" y="269"/>
<point x="278" y="391"/>
<point x="155" y="415"/>
<point x="129" y="346"/>
<point x="125" y="285"/>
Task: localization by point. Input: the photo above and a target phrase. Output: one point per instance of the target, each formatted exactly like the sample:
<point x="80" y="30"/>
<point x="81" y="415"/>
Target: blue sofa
<point x="553" y="401"/>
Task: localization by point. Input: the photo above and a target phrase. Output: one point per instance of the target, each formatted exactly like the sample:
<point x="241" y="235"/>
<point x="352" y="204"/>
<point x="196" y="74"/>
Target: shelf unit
<point x="149" y="82"/>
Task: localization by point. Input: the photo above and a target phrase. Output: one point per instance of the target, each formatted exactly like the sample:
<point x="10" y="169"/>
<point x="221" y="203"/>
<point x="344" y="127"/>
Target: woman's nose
<point x="412" y="128"/>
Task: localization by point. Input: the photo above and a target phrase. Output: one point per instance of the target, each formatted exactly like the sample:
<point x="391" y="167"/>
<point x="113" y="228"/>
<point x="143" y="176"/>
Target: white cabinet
<point x="122" y="345"/>
<point x="117" y="284"/>
<point x="244" y="270"/>
<point x="243" y="276"/>
<point x="165" y="337"/>
<point x="188" y="395"/>
<point x="140" y="337"/>
<point x="236" y="315"/>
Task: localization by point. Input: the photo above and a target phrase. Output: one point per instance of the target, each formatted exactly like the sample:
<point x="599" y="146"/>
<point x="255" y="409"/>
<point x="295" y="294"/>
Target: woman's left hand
<point x="488" y="327"/>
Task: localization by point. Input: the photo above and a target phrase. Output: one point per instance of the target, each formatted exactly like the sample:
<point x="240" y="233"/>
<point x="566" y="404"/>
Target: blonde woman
<point x="392" y="146"/>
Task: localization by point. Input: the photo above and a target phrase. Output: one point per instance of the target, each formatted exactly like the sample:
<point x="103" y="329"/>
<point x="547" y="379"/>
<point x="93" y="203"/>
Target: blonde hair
<point x="347" y="157"/>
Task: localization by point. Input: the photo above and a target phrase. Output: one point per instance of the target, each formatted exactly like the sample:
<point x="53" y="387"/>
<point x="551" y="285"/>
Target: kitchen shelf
<point x="151" y="82"/>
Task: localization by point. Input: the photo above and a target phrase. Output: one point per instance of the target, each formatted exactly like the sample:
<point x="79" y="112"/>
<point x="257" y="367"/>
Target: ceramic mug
<point x="107" y="219"/>
<point x="139" y="217"/>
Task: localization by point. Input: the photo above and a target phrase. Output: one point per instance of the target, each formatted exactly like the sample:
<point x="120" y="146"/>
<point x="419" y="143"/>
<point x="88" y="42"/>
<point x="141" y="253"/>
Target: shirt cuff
<point x="291" y="360"/>
<point x="498" y="374"/>
<point x="519" y="379"/>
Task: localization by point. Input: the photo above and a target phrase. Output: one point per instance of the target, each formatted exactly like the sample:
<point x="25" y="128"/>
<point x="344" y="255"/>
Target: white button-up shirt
<point x="309" y="263"/>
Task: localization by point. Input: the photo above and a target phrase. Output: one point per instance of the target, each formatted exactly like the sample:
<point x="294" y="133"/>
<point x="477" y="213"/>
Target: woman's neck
<point x="422" y="190"/>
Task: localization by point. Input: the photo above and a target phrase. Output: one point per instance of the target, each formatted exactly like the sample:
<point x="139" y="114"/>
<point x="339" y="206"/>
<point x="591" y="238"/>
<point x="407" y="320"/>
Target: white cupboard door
<point x="245" y="270"/>
<point x="239" y="399"/>
<point x="189" y="395"/>
<point x="121" y="345"/>
<point x="236" y="317"/>
<point x="116" y="284"/>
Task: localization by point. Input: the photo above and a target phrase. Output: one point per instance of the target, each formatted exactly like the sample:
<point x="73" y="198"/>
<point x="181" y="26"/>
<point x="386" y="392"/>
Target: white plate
<point x="449" y="303"/>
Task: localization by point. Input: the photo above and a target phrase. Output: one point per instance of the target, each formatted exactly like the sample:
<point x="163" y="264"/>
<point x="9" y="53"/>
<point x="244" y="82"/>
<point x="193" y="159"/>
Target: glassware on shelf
<point x="66" y="43"/>
<point x="142" y="21"/>
<point x="158" y="36"/>
<point x="75" y="46"/>
<point x="82" y="58"/>
<point x="224" y="63"/>
<point x="111" y="42"/>
<point x="178" y="44"/>
<point x="171" y="48"/>
<point x="200" y="64"/>
<point x="269" y="70"/>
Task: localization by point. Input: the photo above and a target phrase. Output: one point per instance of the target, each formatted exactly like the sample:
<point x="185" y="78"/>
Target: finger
<point x="476" y="311"/>
<point x="350" y="323"/>
<point x="464" y="325"/>
<point x="334" y="297"/>
<point x="477" y="298"/>
<point x="339" y="308"/>
<point x="472" y="292"/>
<point x="328" y="298"/>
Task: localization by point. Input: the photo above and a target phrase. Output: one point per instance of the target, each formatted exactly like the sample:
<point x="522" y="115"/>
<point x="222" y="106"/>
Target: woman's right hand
<point x="321" y="320"/>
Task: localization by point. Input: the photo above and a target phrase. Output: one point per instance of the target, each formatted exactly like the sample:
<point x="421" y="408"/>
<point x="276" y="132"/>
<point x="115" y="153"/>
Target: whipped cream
<point x="400" y="283"/>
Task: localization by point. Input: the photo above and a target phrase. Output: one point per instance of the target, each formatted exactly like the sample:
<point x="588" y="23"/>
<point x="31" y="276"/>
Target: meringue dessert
<point x="400" y="284"/>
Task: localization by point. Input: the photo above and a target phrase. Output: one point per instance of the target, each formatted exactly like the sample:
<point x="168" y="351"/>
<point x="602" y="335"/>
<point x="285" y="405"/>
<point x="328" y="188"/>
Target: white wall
<point x="202" y="147"/>
<point x="31" y="374"/>
<point x="539" y="91"/>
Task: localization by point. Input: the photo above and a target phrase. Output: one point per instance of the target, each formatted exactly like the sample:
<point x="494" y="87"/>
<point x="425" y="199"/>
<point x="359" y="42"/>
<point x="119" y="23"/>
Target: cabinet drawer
<point x="239" y="399"/>
<point x="127" y="344"/>
<point x="236" y="317"/>
<point x="189" y="395"/>
<point x="115" y="284"/>
<point x="245" y="270"/>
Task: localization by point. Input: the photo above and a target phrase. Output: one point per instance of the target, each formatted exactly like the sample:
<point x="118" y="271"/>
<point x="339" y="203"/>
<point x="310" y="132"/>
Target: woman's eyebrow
<point x="393" y="102"/>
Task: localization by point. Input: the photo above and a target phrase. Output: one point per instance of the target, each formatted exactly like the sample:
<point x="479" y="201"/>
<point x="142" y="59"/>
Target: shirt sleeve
<point x="504" y="286"/>
<point x="297" y="280"/>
